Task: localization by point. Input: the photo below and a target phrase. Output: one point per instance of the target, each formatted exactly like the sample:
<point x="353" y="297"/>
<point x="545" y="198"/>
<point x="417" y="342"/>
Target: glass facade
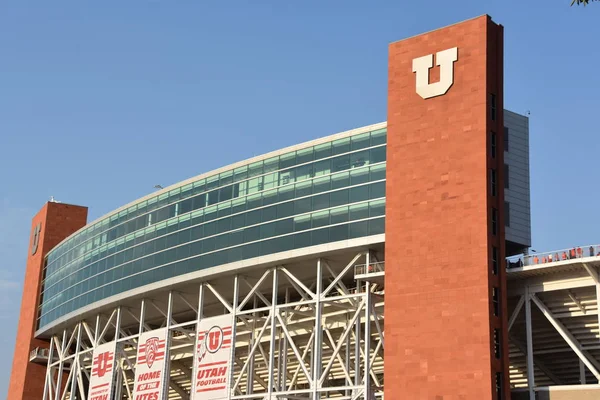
<point x="319" y="194"/>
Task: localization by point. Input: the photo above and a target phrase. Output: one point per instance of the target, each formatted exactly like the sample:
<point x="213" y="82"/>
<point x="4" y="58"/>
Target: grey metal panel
<point x="518" y="192"/>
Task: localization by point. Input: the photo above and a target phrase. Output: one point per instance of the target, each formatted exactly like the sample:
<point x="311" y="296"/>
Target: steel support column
<point x="317" y="347"/>
<point x="273" y="335"/>
<point x="529" y="334"/>
<point x="236" y="287"/>
<point x="367" y="356"/>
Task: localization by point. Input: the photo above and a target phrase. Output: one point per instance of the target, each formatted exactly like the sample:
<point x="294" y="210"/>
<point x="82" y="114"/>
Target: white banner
<point x="150" y="365"/>
<point x="103" y="371"/>
<point x="211" y="361"/>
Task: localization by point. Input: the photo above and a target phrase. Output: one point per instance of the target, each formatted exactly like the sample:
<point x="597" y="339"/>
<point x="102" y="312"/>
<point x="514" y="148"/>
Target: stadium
<point x="396" y="250"/>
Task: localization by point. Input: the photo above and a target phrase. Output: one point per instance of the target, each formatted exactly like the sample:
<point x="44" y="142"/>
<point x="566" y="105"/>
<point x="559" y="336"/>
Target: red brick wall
<point x="438" y="312"/>
<point x="58" y="221"/>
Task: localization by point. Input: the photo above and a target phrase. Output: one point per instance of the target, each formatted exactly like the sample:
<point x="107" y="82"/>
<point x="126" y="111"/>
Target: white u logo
<point x="445" y="60"/>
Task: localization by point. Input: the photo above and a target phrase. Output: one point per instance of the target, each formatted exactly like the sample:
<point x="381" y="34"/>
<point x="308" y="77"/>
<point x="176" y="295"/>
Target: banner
<point x="212" y="358"/>
<point x="103" y="371"/>
<point x="150" y="365"/>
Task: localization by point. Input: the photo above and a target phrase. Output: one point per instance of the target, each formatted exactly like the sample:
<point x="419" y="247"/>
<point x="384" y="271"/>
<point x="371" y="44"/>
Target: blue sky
<point x="100" y="101"/>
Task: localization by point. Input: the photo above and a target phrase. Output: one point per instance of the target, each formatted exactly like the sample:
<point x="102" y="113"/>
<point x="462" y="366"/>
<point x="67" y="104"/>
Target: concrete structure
<point x="297" y="247"/>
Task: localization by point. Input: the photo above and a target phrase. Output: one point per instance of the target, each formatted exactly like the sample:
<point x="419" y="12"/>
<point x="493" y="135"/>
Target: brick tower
<point x="53" y="223"/>
<point x="445" y="312"/>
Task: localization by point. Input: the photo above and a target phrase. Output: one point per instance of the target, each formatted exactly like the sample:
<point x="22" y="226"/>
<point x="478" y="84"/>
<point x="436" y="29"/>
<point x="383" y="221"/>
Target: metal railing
<point x="536" y="258"/>
<point x="371" y="268"/>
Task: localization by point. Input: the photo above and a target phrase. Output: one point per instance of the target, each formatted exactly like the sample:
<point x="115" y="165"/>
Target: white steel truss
<point x="554" y="326"/>
<point x="310" y="332"/>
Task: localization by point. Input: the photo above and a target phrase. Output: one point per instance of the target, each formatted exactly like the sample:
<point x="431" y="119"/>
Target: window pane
<point x="378" y="137"/>
<point x="341" y="163"/>
<point x="271" y="164"/>
<point x="285" y="209"/>
<point x="339" y="232"/>
<point x="250" y="250"/>
<point x="321" y="184"/>
<point x="358" y="229"/>
<point x="255" y="169"/>
<point x="303" y="189"/>
<point x="377" y="208"/>
<point x="238" y="205"/>
<point x="251" y="234"/>
<point x="304" y="172"/>
<point x="338" y="198"/>
<point x="253" y="217"/>
<point x="322" y="167"/>
<point x="199" y="186"/>
<point x="322" y="151"/>
<point x="270" y="180"/>
<point x="226" y="193"/>
<point x="340" y="180"/>
<point x="377" y="172"/>
<point x="269" y="213"/>
<point x="225" y="178"/>
<point x="360" y="141"/>
<point x="359" y="159"/>
<point x="199" y="201"/>
<point x="359" y="211"/>
<point x="284" y="226"/>
<point x="321" y="201"/>
<point x="238" y="221"/>
<point x="360" y="193"/>
<point x="377" y="190"/>
<point x="320" y="218"/>
<point x="358" y="176"/>
<point x="197" y="232"/>
<point x="287" y="160"/>
<point x="376" y="226"/>
<point x="270" y="197"/>
<point x="224" y="209"/>
<point x="301" y="223"/>
<point x="377" y="154"/>
<point x="254" y="201"/>
<point x="285" y="193"/>
<point x="319" y="236"/>
<point x="224" y="225"/>
<point x="304" y="156"/>
<point x="240" y="173"/>
<point x="213" y="197"/>
<point x="210" y="213"/>
<point x="339" y="215"/>
<point x="267" y="230"/>
<point x="341" y="146"/>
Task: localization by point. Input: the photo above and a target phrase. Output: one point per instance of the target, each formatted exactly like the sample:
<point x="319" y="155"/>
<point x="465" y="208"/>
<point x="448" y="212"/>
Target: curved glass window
<point x="324" y="193"/>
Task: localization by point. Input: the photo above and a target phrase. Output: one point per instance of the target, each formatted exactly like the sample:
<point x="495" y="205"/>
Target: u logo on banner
<point x="214" y="339"/>
<point x="103" y="366"/>
<point x="445" y="60"/>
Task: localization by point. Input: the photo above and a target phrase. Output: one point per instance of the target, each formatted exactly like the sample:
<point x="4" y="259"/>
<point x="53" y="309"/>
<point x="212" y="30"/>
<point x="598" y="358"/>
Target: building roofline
<point x="228" y="167"/>
<point x="443" y="27"/>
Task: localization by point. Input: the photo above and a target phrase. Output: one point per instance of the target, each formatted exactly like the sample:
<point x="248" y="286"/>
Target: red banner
<point x="212" y="358"/>
<point x="150" y="365"/>
<point x="103" y="371"/>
